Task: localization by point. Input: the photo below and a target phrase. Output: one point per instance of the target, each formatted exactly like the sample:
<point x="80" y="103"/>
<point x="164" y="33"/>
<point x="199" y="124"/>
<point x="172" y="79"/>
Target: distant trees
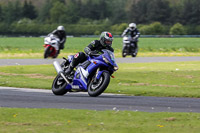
<point x="44" y="12"/>
<point x="28" y="10"/>
<point x="118" y="11"/>
<point x="105" y="13"/>
<point x="191" y="12"/>
<point x="58" y="13"/>
<point x="158" y="10"/>
<point x="138" y="12"/>
<point x="12" y="12"/>
<point x="177" y="29"/>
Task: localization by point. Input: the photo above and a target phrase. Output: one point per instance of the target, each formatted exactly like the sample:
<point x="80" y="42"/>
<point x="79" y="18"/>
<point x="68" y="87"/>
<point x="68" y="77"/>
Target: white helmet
<point x="61" y="28"/>
<point x="132" y="26"/>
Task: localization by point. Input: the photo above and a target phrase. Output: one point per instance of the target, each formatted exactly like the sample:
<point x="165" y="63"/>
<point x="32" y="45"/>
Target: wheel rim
<point x="95" y="86"/>
<point x="59" y="83"/>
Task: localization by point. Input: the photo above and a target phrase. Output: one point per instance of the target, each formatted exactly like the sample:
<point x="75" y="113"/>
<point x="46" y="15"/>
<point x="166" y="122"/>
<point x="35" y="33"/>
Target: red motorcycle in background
<point x="51" y="45"/>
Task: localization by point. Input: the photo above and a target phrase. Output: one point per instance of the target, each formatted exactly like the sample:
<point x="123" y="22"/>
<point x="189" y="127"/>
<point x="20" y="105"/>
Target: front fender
<point x="100" y="73"/>
<point x="95" y="64"/>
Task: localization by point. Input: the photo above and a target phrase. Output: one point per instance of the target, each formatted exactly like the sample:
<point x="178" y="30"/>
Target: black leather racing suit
<point x="132" y="33"/>
<point x="135" y="34"/>
<point x="94" y="46"/>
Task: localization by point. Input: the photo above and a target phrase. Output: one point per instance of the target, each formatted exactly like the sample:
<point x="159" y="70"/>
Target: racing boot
<point x="69" y="70"/>
<point x="72" y="65"/>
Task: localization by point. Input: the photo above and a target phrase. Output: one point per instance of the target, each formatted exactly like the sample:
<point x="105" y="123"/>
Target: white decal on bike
<point x="75" y="87"/>
<point x="83" y="74"/>
<point x="76" y="55"/>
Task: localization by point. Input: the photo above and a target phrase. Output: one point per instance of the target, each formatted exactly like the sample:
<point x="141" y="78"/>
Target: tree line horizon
<point x="82" y="17"/>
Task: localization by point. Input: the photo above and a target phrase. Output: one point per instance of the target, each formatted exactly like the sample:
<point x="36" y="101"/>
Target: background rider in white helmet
<point x="61" y="34"/>
<point x="133" y="32"/>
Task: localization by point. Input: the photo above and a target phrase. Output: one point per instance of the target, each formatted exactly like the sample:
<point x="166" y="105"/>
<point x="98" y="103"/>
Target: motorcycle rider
<point x="95" y="47"/>
<point x="61" y="34"/>
<point x="133" y="32"/>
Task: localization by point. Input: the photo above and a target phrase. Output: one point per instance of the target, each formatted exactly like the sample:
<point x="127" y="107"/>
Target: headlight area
<point x="109" y="63"/>
<point x="116" y="68"/>
<point x="106" y="60"/>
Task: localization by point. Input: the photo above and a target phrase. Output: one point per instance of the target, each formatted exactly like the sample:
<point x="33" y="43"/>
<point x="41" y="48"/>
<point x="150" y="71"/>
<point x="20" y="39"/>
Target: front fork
<point x="97" y="76"/>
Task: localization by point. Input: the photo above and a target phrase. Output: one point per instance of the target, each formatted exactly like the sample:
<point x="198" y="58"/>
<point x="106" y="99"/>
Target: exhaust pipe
<point x="57" y="67"/>
<point x="60" y="71"/>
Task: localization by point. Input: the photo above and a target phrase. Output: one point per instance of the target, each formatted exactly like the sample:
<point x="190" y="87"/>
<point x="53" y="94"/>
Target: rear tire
<point x="95" y="89"/>
<point x="58" y="86"/>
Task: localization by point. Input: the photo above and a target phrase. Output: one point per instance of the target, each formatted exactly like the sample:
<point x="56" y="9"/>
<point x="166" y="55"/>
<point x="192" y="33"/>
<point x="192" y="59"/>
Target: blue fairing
<point x="105" y="60"/>
<point x="99" y="74"/>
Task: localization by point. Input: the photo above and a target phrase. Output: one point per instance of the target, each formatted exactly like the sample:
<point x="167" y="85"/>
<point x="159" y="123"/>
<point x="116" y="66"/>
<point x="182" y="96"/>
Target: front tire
<point x="58" y="86"/>
<point x="56" y="54"/>
<point x="47" y="52"/>
<point x="124" y="52"/>
<point x="95" y="89"/>
<point x="134" y="53"/>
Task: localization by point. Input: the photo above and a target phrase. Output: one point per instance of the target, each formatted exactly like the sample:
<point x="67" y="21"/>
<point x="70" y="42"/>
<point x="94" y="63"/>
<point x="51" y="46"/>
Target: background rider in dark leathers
<point x="95" y="47"/>
<point x="133" y="32"/>
<point x="61" y="34"/>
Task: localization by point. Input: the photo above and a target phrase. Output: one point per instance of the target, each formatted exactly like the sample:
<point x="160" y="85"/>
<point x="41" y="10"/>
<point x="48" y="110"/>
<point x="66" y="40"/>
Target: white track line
<point x="46" y="91"/>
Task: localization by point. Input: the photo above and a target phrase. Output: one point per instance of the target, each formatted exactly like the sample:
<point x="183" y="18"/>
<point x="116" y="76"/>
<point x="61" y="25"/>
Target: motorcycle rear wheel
<point x="58" y="86"/>
<point x="95" y="89"/>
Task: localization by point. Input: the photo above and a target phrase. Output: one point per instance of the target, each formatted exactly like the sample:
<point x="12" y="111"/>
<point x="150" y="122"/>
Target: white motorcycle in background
<point x="129" y="46"/>
<point x="51" y="45"/>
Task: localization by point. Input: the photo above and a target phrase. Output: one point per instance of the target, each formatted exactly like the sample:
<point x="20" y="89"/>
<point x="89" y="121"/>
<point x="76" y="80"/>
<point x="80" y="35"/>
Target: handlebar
<point x="94" y="53"/>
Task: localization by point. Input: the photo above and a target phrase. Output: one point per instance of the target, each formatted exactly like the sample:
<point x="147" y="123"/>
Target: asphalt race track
<point x="7" y="62"/>
<point x="38" y="98"/>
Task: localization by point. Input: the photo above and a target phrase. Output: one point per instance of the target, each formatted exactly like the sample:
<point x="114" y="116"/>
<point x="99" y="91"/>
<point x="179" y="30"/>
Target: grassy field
<point x="14" y="120"/>
<point x="177" y="79"/>
<point x="174" y="79"/>
<point x="32" y="47"/>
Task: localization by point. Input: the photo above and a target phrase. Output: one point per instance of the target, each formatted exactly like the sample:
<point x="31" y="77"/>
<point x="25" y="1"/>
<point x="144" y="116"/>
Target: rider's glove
<point x="87" y="50"/>
<point x="134" y="38"/>
<point x="93" y="53"/>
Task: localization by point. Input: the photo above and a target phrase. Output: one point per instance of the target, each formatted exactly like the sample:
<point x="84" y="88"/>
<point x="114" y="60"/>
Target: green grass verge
<point x="15" y="120"/>
<point x="179" y="79"/>
<point x="32" y="47"/>
<point x="173" y="79"/>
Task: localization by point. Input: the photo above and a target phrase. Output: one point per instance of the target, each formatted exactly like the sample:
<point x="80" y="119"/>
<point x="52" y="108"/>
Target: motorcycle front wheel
<point x="56" y="54"/>
<point x="47" y="52"/>
<point x="58" y="86"/>
<point x="96" y="88"/>
<point x="134" y="53"/>
<point x="124" y="52"/>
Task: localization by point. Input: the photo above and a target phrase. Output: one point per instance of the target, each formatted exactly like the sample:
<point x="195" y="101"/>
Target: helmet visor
<point x="107" y="42"/>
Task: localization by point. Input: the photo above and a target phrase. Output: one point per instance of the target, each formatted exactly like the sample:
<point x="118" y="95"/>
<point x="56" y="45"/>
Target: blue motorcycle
<point x="92" y="76"/>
